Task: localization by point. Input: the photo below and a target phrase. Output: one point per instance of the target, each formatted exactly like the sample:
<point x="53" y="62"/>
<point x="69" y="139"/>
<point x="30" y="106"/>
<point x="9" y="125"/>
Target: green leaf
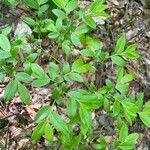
<point x="74" y="76"/>
<point x="40" y="82"/>
<point x="59" y="123"/>
<point x="86" y="118"/>
<point x="72" y="5"/>
<point x="24" y="77"/>
<point x="118" y="60"/>
<point x="120" y="74"/>
<point x="122" y="88"/>
<point x="145" y="114"/>
<point x="53" y="70"/>
<point x="29" y="21"/>
<point x="82" y="29"/>
<point x="59" y="13"/>
<point x="96" y="6"/>
<point x="41" y="2"/>
<point x="130" y="52"/>
<point x="127" y="78"/>
<point x="66" y="47"/>
<point x="24" y="93"/>
<point x="87" y="53"/>
<point x="4" y="43"/>
<point x="61" y="3"/>
<point x="31" y="3"/>
<point x="102" y="143"/>
<point x="48" y="132"/>
<point x="80" y="67"/>
<point x="106" y="105"/>
<point x="71" y="107"/>
<point x="90" y="22"/>
<point x="120" y="44"/>
<point x="38" y="72"/>
<point x="130" y="111"/>
<point x="38" y="131"/>
<point x="139" y="100"/>
<point x="4" y="55"/>
<point x="123" y="132"/>
<point x="90" y="101"/>
<point x="66" y="68"/>
<point x="129" y="141"/>
<point x="75" y="39"/>
<point x="42" y="113"/>
<point x="10" y="90"/>
<point x="116" y="108"/>
<point x="53" y="35"/>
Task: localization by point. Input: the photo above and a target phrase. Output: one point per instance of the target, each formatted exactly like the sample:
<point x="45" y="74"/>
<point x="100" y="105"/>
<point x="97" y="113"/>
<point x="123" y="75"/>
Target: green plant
<point x="72" y="29"/>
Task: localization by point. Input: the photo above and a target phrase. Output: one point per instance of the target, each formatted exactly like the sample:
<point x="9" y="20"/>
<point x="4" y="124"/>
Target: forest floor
<point x="127" y="16"/>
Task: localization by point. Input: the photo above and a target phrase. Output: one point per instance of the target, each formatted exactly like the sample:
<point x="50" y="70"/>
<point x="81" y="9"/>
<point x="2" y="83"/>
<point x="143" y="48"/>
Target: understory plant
<point x="72" y="28"/>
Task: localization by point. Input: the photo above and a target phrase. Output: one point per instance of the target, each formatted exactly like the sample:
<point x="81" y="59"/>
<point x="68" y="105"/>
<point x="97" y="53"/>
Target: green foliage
<point x="70" y="27"/>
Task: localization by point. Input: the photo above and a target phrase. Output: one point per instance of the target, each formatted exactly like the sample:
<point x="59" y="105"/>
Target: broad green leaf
<point x="71" y="6"/>
<point x="139" y="100"/>
<point x="59" y="13"/>
<point x="127" y="78"/>
<point x="24" y="93"/>
<point x="4" y="43"/>
<point x="82" y="29"/>
<point x="77" y="64"/>
<point x="61" y="3"/>
<point x="4" y="55"/>
<point x="42" y="113"/>
<point x="71" y="107"/>
<point x="120" y="44"/>
<point x="123" y="132"/>
<point x="118" y="60"/>
<point x="75" y="39"/>
<point x="131" y="55"/>
<point x="102" y="143"/>
<point x="38" y="131"/>
<point x="130" y="52"/>
<point x="48" y="132"/>
<point x="59" y="123"/>
<point x="24" y="77"/>
<point x="90" y="22"/>
<point x="40" y="82"/>
<point x="87" y="53"/>
<point x="66" y="47"/>
<point x="91" y="101"/>
<point x="96" y="6"/>
<point x="120" y="74"/>
<point x="93" y="44"/>
<point x="116" y="108"/>
<point x="145" y="118"/>
<point x="41" y="2"/>
<point x="32" y="4"/>
<point x="145" y="114"/>
<point x="10" y="90"/>
<point x="86" y="118"/>
<point x="29" y="21"/>
<point x="53" y="70"/>
<point x="122" y="88"/>
<point x="129" y="141"/>
<point x="53" y="35"/>
<point x="74" y="76"/>
<point x="106" y="105"/>
<point x="66" y="68"/>
<point x="6" y="30"/>
<point x="130" y="111"/>
<point x="38" y="72"/>
<point x="80" y="67"/>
